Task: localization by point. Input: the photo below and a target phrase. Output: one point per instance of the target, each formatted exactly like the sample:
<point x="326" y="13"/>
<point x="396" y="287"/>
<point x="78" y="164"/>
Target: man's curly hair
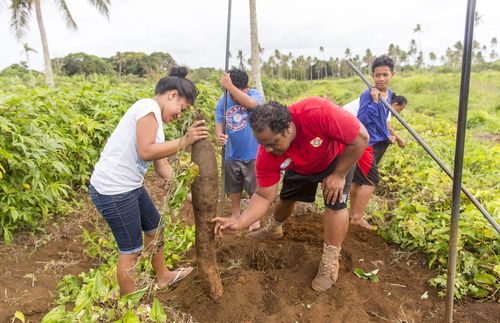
<point x="239" y="78"/>
<point x="272" y="115"/>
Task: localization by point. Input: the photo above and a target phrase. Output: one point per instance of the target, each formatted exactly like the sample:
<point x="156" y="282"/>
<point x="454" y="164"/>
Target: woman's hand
<point x="196" y="132"/>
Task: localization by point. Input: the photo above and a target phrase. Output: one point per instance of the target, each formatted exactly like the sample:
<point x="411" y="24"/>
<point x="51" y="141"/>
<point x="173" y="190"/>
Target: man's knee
<point x="336" y="212"/>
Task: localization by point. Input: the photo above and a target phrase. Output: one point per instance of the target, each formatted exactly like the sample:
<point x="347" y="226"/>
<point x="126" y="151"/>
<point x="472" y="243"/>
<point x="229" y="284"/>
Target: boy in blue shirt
<point x="241" y="145"/>
<point x="373" y="115"/>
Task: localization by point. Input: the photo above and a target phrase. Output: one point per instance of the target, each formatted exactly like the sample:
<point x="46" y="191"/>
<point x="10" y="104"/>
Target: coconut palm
<point x="493" y="46"/>
<point x="255" y="48"/>
<point x="26" y="50"/>
<point x="22" y="9"/>
<point x="241" y="60"/>
<point x="418" y="30"/>
<point x="322" y="50"/>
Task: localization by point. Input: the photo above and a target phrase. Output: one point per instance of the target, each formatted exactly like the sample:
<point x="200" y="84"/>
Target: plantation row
<point x="52" y="138"/>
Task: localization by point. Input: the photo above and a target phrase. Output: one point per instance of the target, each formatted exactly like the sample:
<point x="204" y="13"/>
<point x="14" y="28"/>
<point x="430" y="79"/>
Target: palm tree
<point x="255" y="48"/>
<point x="22" y="9"/>
<point x="347" y="53"/>
<point x="309" y="67"/>
<point x="478" y="19"/>
<point x="412" y="50"/>
<point x="241" y="59"/>
<point x="432" y="57"/>
<point x="322" y="50"/>
<point x="368" y="59"/>
<point x="277" y="59"/>
<point x="493" y="44"/>
<point x="26" y="50"/>
<point x="418" y="30"/>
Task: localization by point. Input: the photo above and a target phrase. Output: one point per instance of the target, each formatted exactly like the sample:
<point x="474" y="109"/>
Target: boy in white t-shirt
<point x="116" y="186"/>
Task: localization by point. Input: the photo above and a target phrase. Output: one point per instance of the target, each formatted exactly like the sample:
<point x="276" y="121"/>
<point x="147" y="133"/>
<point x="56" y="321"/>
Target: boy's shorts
<point x="299" y="187"/>
<point x="127" y="214"/>
<point x="239" y="175"/>
<point x="367" y="166"/>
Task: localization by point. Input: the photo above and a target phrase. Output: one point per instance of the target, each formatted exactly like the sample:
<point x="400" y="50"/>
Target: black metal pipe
<point x="226" y="68"/>
<point x="428" y="150"/>
<point x="459" y="159"/>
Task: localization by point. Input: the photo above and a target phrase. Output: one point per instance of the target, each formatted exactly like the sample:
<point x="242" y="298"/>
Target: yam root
<point x="204" y="192"/>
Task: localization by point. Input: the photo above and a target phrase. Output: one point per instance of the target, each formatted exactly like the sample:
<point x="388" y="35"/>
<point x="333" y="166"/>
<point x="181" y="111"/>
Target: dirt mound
<point x="263" y="281"/>
<point x="269" y="282"/>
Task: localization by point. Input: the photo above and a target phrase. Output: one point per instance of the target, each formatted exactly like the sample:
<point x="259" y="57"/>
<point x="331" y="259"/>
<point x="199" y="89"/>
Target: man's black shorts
<point x="299" y="187"/>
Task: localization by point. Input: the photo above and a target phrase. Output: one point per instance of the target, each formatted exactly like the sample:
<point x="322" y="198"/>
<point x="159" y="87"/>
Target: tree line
<point x="287" y="66"/>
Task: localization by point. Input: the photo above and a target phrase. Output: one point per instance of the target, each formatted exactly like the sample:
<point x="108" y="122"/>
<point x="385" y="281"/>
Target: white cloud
<point x="194" y="32"/>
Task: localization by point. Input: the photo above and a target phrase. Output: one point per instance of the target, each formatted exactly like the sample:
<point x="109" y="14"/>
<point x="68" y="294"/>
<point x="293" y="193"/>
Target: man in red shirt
<point x="313" y="141"/>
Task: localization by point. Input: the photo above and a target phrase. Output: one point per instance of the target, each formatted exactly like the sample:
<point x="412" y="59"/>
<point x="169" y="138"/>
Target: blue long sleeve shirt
<point x="374" y="117"/>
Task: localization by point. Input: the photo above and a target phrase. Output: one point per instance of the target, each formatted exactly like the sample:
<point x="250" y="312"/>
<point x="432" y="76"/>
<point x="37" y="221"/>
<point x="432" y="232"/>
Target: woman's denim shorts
<point x="128" y="215"/>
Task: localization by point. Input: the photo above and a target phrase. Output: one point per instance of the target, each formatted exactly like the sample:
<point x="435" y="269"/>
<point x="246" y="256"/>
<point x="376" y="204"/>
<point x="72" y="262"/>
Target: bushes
<point x="420" y="215"/>
<point x="51" y="139"/>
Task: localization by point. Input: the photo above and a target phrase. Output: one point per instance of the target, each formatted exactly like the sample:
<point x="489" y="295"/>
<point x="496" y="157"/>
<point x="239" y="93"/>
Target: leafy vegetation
<point x="52" y="138"/>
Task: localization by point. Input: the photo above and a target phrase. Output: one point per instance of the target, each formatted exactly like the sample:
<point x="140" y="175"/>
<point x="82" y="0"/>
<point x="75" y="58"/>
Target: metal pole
<point x="459" y="159"/>
<point x="428" y="150"/>
<point x="226" y="68"/>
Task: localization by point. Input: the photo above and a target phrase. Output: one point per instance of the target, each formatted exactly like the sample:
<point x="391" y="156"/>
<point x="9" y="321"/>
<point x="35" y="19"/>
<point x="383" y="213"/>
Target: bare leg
<point x="360" y="196"/>
<point x="273" y="230"/>
<point x="235" y="204"/>
<point x="126" y="273"/>
<point x="163" y="275"/>
<point x="283" y="210"/>
<point x="336" y="226"/>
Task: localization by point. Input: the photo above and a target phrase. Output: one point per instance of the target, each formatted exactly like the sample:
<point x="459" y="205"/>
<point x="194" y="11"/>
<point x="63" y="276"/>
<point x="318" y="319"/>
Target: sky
<point x="194" y="31"/>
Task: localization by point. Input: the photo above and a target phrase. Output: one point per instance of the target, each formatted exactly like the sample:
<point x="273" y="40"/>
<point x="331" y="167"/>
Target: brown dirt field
<point x="263" y="281"/>
<point x="269" y="282"/>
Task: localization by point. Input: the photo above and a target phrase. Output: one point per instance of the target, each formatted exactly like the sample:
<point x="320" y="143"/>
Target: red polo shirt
<point x="322" y="130"/>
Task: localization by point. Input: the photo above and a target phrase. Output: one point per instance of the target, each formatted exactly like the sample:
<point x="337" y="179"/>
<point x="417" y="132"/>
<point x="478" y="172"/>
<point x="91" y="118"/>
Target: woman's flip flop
<point x="181" y="274"/>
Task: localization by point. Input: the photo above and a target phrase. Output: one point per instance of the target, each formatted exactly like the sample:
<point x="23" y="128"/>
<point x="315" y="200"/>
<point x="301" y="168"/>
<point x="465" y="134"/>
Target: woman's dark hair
<point x="398" y="99"/>
<point x="239" y="78"/>
<point x="272" y="115"/>
<point x="383" y="60"/>
<point x="176" y="80"/>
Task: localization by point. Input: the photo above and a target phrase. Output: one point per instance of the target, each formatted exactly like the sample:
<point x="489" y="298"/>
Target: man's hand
<point x="392" y="139"/>
<point x="226" y="225"/>
<point x="401" y="142"/>
<point x="333" y="187"/>
<point x="374" y="93"/>
<point x="222" y="139"/>
<point x="225" y="81"/>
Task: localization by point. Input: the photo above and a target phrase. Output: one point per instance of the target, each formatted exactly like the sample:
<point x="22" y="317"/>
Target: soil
<point x="263" y="281"/>
<point x="488" y="137"/>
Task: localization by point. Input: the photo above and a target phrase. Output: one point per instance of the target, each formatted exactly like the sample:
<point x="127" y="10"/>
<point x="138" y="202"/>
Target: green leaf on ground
<point x="372" y="275"/>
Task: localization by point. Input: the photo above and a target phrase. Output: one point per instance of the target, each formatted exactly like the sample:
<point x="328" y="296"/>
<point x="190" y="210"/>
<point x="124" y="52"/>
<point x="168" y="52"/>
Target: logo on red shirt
<point x="286" y="163"/>
<point x="316" y="142"/>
